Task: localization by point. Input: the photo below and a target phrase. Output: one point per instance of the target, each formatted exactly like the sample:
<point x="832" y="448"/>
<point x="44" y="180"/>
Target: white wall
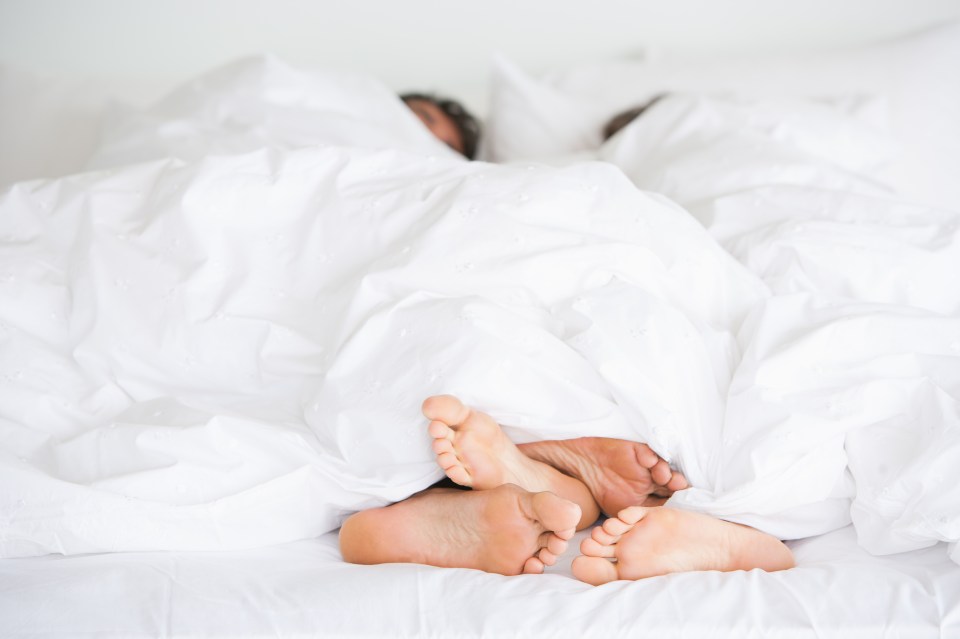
<point x="142" y="47"/>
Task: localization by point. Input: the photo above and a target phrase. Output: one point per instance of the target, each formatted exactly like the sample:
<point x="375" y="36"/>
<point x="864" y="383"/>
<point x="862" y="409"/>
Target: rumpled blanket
<point x="229" y="349"/>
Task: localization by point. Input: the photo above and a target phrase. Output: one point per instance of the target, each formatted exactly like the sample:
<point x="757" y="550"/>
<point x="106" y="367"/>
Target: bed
<point x="216" y="337"/>
<point x="303" y="588"/>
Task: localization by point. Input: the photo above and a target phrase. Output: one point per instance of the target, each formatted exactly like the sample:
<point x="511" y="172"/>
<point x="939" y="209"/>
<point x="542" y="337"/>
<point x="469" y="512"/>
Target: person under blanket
<point x="527" y="502"/>
<point x="448" y="120"/>
<point x="620" y="120"/>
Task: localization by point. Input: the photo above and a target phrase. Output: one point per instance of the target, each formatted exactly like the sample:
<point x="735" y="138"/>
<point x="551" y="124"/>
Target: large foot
<point x="619" y="473"/>
<point x="646" y="542"/>
<point x="473" y="451"/>
<point x="505" y="530"/>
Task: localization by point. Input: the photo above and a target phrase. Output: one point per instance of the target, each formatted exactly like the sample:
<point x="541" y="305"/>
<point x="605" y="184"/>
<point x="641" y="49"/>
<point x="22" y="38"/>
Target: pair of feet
<point x="528" y="501"/>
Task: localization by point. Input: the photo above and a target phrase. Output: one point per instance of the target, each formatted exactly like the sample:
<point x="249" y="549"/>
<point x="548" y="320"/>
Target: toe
<point x="566" y="534"/>
<point x="631" y="515"/>
<point x="645" y="456"/>
<point x="615" y="526"/>
<point x="678" y="482"/>
<point x="555" y="514"/>
<point x="532" y="566"/>
<point x="556" y="545"/>
<point x="439" y="430"/>
<point x="591" y="548"/>
<point x="445" y="408"/>
<point x="603" y="537"/>
<point x="459" y="475"/>
<point x="441" y="446"/>
<point x="447" y="461"/>
<point x="547" y="557"/>
<point x="594" y="570"/>
<point x="661" y="473"/>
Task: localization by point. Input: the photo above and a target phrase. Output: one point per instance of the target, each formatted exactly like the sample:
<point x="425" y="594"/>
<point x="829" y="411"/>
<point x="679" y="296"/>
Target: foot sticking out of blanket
<point x="619" y="473"/>
<point x="505" y="530"/>
<point x="473" y="451"/>
<point x="646" y="542"/>
<point x="614" y="473"/>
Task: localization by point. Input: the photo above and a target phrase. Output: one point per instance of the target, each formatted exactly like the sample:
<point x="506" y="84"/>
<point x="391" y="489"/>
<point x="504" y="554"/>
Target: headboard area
<point x="62" y="62"/>
<point x="142" y="47"/>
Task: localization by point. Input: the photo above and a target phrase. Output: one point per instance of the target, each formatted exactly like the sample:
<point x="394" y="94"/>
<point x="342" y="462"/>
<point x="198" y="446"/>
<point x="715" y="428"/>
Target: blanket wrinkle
<point x="276" y="309"/>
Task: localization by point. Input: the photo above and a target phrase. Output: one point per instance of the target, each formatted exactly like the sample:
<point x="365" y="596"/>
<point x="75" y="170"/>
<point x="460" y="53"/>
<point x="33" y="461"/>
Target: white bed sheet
<point x="304" y="589"/>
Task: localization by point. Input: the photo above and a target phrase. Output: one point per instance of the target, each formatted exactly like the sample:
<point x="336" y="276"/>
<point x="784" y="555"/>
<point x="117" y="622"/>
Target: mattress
<point x="304" y="589"/>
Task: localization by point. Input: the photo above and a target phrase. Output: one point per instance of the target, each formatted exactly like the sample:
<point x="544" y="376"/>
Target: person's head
<point x="447" y="120"/>
<point x="621" y="120"/>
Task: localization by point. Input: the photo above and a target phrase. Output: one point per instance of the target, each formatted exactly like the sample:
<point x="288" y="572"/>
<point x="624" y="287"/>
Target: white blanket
<point x="792" y="189"/>
<point x="853" y="368"/>
<point x="231" y="351"/>
<point x="262" y="102"/>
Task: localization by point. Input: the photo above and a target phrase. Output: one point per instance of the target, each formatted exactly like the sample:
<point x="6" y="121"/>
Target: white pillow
<point x="531" y="120"/>
<point x="563" y="111"/>
<point x="697" y="148"/>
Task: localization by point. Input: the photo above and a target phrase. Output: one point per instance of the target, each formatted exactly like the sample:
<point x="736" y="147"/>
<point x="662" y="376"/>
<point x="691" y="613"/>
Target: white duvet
<point x="228" y="348"/>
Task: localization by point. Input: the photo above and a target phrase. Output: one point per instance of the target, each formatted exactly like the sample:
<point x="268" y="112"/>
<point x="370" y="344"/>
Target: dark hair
<point x="621" y="120"/>
<point x="467" y="125"/>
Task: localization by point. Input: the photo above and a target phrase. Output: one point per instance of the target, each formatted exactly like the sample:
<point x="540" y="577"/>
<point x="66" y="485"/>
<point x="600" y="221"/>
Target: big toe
<point x="554" y="513"/>
<point x="445" y="408"/>
<point x="594" y="570"/>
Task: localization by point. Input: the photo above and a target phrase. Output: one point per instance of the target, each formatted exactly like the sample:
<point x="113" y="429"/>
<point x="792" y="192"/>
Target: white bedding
<point x="228" y="351"/>
<point x="790" y="188"/>
<point x="564" y="110"/>
<point x="304" y="589"/>
<point x="264" y="330"/>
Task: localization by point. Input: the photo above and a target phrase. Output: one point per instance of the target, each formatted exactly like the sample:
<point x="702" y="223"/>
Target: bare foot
<point x="619" y="473"/>
<point x="474" y="451"/>
<point x="647" y="542"/>
<point x="505" y="530"/>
